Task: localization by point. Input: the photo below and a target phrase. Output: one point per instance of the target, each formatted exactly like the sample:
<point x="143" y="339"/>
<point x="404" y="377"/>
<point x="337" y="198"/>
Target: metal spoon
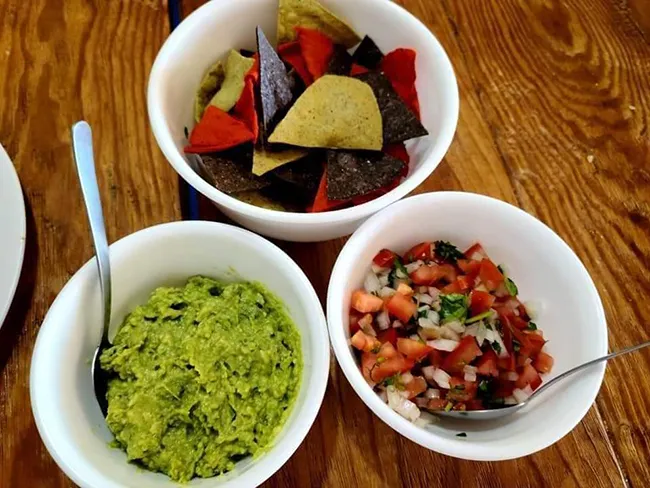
<point x="502" y="412"/>
<point x="82" y="144"/>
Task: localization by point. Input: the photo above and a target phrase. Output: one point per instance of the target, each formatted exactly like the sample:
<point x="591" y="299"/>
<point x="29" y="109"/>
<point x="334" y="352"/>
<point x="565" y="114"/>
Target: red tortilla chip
<point x="398" y="150"/>
<point x="291" y="53"/>
<point x="254" y="72"/>
<point x="217" y="131"/>
<point x="317" y="50"/>
<point x="321" y="203"/>
<point x="245" y="108"/>
<point x="399" y="68"/>
<point x="357" y="69"/>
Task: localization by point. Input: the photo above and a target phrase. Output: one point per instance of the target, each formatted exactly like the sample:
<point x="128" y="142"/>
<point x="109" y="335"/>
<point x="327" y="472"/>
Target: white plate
<point x="12" y="232"/>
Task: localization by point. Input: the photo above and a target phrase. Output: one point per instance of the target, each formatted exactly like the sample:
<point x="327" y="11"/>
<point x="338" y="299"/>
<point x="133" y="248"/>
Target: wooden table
<point x="555" y="110"/>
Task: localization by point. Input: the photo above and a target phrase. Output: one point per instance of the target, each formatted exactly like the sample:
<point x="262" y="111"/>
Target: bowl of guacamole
<point x="218" y="363"/>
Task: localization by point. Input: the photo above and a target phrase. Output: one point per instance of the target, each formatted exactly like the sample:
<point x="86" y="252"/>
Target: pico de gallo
<point x="440" y="329"/>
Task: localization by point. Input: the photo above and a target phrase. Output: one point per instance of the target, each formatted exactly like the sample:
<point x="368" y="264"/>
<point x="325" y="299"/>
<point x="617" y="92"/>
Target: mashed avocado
<point x="204" y="375"/>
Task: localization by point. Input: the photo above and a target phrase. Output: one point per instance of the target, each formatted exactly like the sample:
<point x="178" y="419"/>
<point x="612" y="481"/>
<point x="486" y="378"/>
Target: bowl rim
<point x="458" y="448"/>
<point x="320" y="361"/>
<point x="176" y="160"/>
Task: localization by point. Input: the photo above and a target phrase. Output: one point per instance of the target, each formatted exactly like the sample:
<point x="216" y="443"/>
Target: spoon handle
<point x="82" y="144"/>
<point x="586" y="365"/>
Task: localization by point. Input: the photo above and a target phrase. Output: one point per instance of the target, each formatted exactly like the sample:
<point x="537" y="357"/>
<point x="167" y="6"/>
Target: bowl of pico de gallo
<point x="457" y="301"/>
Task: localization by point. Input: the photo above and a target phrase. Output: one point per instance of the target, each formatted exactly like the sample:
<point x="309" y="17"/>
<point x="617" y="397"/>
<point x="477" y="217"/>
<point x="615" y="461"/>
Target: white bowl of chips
<point x="221" y="26"/>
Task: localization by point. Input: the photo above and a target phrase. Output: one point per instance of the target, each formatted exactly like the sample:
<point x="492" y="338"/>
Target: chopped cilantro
<point x="393" y="380"/>
<point x="511" y="287"/>
<point x="459" y="387"/>
<point x="461" y="434"/>
<point x="449" y="406"/>
<point x="483" y="386"/>
<point x="453" y="307"/>
<point x="448" y="252"/>
<point x="532" y="326"/>
<point x="423" y="314"/>
<point x="497" y="347"/>
<point x="397" y="273"/>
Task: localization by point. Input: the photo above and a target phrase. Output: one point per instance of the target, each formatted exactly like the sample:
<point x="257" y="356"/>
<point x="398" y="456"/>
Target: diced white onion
<point x="533" y="308"/>
<point x="503" y="352"/>
<point x="421" y="402"/>
<point x="406" y="378"/>
<point x="436" y="306"/>
<point x="512" y="376"/>
<point x="424" y="298"/>
<point x="491" y="335"/>
<point x="386" y="292"/>
<point x="423" y="289"/>
<point x="447" y="333"/>
<point x="481" y="287"/>
<point x="432" y="393"/>
<point x="481" y="334"/>
<point x="441" y="378"/>
<point x="430" y="333"/>
<point x="378" y="269"/>
<point x="401" y="405"/>
<point x="477" y="256"/>
<point x="367" y="328"/>
<point x="414" y="337"/>
<point x="397" y="324"/>
<point x="383" y="279"/>
<point x="371" y="283"/>
<point x="433" y="316"/>
<point x="443" y="344"/>
<point x="456" y="326"/>
<point x="383" y="396"/>
<point x="470" y="369"/>
<point x="413" y="266"/>
<point x="469" y="377"/>
<point x="471" y="330"/>
<point x="399" y="273"/>
<point x="521" y="395"/>
<point x="383" y="320"/>
<point x="428" y="371"/>
<point x="434" y="292"/>
<point x="426" y="419"/>
<point x="425" y="323"/>
<point x="423" y="308"/>
<point x="510" y="400"/>
<point x="502" y="291"/>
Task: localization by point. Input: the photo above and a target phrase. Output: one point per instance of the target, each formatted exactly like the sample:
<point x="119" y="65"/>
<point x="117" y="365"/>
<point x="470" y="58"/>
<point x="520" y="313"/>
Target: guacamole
<point x="203" y="375"/>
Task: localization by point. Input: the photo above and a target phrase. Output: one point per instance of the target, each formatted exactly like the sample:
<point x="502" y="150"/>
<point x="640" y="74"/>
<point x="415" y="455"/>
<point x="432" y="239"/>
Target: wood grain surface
<point x="555" y="110"/>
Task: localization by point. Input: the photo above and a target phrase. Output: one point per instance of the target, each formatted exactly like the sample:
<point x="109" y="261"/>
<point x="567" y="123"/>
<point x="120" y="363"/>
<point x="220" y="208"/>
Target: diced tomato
<point x="543" y="362"/>
<point x="365" y="324"/>
<point x="416" y="386"/>
<point x="437" y="357"/>
<point x="429" y="274"/>
<point x="528" y="375"/>
<point x="354" y="321"/>
<point x="388" y="335"/>
<point x="392" y="366"/>
<point x="507" y="364"/>
<point x="401" y="307"/>
<point x="518" y="322"/>
<point x="461" y="390"/>
<point x="423" y="252"/>
<point x="365" y="302"/>
<point x="476" y="253"/>
<point x="385" y="258"/>
<point x="480" y="301"/>
<point x="404" y="289"/>
<point x="368" y="364"/>
<point x="475" y="404"/>
<point x="461" y="285"/>
<point x="470" y="268"/>
<point x="487" y="364"/>
<point x="504" y="388"/>
<point x="387" y="350"/>
<point x="365" y="342"/>
<point x="534" y="343"/>
<point x="466" y="351"/>
<point x="490" y="275"/>
<point x="437" y="404"/>
<point x="460" y="406"/>
<point x="413" y="349"/>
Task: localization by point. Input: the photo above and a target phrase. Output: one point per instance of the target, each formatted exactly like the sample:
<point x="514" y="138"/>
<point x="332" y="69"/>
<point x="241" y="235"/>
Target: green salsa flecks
<point x="203" y="375"/>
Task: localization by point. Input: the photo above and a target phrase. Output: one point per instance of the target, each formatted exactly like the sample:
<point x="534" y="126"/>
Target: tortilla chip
<point x="311" y="14"/>
<point x="303" y="176"/>
<point x="217" y="131"/>
<point x="228" y="175"/>
<point x="237" y="66"/>
<point x="399" y="68"/>
<point x="275" y="84"/>
<point x="317" y="49"/>
<point x="377" y="193"/>
<point x="357" y="69"/>
<point x="265" y="160"/>
<point x="399" y="122"/>
<point x="399" y="151"/>
<point x="259" y="200"/>
<point x="210" y="84"/>
<point x="340" y="62"/>
<point x="352" y="174"/>
<point x="291" y="53"/>
<point x="335" y="112"/>
<point x="368" y="54"/>
<point x="245" y="108"/>
<point x="321" y="202"/>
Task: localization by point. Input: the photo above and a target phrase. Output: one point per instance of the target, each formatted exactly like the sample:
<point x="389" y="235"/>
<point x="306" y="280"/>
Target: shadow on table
<point x="15" y="319"/>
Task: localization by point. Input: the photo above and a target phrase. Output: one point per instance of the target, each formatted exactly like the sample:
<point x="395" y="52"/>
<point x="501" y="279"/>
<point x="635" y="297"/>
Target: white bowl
<point x="545" y="269"/>
<point x="221" y="25"/>
<point x="66" y="411"/>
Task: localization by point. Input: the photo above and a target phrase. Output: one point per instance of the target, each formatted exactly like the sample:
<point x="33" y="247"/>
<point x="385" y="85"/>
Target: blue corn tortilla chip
<point x="230" y="171"/>
<point x="302" y="176"/>
<point x="399" y="122"/>
<point x="368" y="54"/>
<point x="340" y="62"/>
<point x="356" y="173"/>
<point x="275" y="85"/>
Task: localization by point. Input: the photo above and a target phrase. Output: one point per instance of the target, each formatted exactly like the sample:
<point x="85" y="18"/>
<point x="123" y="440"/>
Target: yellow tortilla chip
<point x="265" y="161"/>
<point x="259" y="200"/>
<point x="312" y="15"/>
<point x="210" y="84"/>
<point x="335" y="112"/>
<point x="237" y="66"/>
